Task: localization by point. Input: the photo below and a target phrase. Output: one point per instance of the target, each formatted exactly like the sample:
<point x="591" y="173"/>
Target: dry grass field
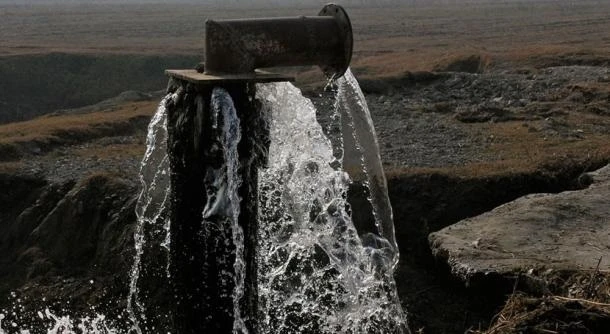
<point x="389" y="41"/>
<point x="40" y="137"/>
<point x="48" y="128"/>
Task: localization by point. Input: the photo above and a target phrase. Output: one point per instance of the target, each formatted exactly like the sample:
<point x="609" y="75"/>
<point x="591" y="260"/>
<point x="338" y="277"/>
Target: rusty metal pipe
<point x="243" y="45"/>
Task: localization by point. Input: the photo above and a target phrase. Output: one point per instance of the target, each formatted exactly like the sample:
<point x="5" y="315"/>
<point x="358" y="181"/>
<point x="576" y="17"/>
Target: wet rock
<point x="569" y="231"/>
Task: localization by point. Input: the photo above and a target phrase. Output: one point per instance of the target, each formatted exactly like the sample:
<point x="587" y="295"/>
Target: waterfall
<point x="325" y="257"/>
<point x="151" y="207"/>
<point x="351" y="104"/>
<point x="222" y="104"/>
<point x="316" y="274"/>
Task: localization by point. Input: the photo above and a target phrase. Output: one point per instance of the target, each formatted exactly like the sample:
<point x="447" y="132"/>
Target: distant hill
<point x="34" y="85"/>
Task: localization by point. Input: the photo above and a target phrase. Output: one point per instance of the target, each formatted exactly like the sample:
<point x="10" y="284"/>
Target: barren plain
<point x="411" y="35"/>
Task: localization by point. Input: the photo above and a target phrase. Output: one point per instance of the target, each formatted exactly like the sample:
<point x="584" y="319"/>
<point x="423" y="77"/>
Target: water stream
<point x="153" y="226"/>
<point x="223" y="105"/>
<point x="317" y="274"/>
<point x="326" y="257"/>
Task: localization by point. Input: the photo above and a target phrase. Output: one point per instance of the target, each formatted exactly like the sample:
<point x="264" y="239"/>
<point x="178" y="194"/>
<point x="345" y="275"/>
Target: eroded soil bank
<point x="67" y="235"/>
<point x="454" y="145"/>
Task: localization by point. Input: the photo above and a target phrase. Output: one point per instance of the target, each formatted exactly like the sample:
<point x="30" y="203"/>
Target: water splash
<point x="65" y="325"/>
<point x="151" y="206"/>
<point x="358" y="126"/>
<point x="315" y="273"/>
<point x="222" y="104"/>
<point x="54" y="324"/>
<point x="318" y="272"/>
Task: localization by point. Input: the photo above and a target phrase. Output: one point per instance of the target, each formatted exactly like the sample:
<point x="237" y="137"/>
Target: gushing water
<point x="324" y="264"/>
<point x="316" y="275"/>
<point x="351" y="104"/>
<point x="151" y="208"/>
<point x="223" y="105"/>
<point x="50" y="323"/>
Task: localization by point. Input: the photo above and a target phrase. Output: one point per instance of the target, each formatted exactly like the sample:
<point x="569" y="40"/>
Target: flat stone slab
<point x="565" y="231"/>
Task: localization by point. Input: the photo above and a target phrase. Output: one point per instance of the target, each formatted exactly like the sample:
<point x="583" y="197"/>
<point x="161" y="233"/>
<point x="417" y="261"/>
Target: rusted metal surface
<point x="197" y="78"/>
<point x="241" y="46"/>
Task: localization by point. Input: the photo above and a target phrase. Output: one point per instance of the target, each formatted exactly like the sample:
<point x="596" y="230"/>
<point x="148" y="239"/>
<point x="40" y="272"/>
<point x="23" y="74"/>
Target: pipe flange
<point x="345" y="29"/>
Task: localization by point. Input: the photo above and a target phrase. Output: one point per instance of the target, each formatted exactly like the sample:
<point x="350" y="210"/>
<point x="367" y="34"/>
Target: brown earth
<point x="441" y="168"/>
<point x="406" y="36"/>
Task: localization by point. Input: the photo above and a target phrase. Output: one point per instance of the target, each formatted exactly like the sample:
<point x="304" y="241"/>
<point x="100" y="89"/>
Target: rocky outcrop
<point x="569" y="231"/>
<point x="76" y="234"/>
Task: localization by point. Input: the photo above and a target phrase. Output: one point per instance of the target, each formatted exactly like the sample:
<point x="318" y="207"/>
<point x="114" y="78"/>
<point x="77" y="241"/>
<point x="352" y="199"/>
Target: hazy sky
<point x="223" y="2"/>
<point x="227" y="3"/>
<point x="280" y="3"/>
<point x="174" y="1"/>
